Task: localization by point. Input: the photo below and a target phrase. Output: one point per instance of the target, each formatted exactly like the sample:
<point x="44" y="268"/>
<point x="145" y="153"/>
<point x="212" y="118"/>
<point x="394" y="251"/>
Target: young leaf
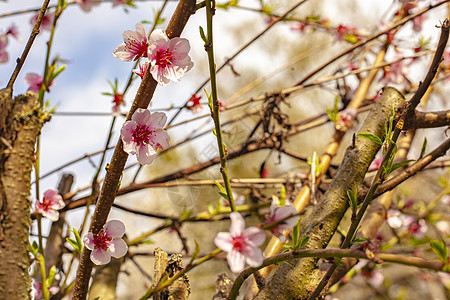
<point x="371" y="137"/>
<point x="303" y="242"/>
<point x="221" y="188"/>
<point x="73" y="243"/>
<point x="360" y="240"/>
<point x="202" y="34"/>
<point x="353" y="200"/>
<point x="338" y="261"/>
<point x="51" y="275"/>
<point x="224" y="195"/>
<point x="295" y="234"/>
<point x="424" y="147"/>
<point x="440" y="248"/>
<point x="400" y="164"/>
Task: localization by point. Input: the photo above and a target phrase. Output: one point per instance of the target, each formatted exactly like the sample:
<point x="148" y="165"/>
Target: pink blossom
<point x="242" y="244"/>
<point x="14" y="31"/>
<point x="35" y="82"/>
<point x="396" y="72"/>
<point x="418" y="229"/>
<point x="144" y="134"/>
<point x="376" y="163"/>
<point x="86" y="5"/>
<point x="3" y="43"/>
<point x="396" y="219"/>
<point x="278" y="213"/>
<point x="417" y="22"/>
<point x="346" y="118"/>
<point x="107" y="242"/>
<point x="194" y="104"/>
<point x="47" y="21"/>
<point x="50" y="205"/>
<point x="169" y="58"/>
<point x="118" y="2"/>
<point x="140" y="71"/>
<point x="135" y="44"/>
<point x="37" y="287"/>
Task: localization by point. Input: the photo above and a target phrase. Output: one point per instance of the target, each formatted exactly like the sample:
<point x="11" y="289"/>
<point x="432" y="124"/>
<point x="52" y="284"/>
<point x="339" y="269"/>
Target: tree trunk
<point x="20" y="122"/>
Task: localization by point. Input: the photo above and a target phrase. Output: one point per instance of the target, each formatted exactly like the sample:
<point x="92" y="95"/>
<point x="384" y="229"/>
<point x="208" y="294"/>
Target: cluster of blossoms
<point x="168" y="59"/>
<point x="50" y="205"/>
<point x="107" y="242"/>
<point x="144" y="134"/>
<point x="345" y="119"/>
<point x="11" y="31"/>
<point x="398" y="220"/>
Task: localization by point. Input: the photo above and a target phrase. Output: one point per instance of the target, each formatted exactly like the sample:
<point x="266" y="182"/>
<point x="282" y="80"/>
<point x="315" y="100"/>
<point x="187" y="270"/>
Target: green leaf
<point x="338" y="261"/>
<point x="360" y="240"/>
<point x="440" y="248"/>
<point x="295" y="235"/>
<point x="221" y="188"/>
<point x="224" y="195"/>
<point x="371" y="137"/>
<point x="202" y="35"/>
<point x="51" y="275"/>
<point x="148" y="241"/>
<point x="400" y="164"/>
<point x="34" y="248"/>
<point x="73" y="243"/>
<point x="353" y="199"/>
<point x="424" y="147"/>
<point x="303" y="242"/>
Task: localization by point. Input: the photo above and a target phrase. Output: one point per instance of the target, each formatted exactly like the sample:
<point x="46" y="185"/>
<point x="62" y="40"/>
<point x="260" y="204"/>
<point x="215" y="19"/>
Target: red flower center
<point x="101" y="240"/>
<point x="164" y="58"/>
<point x="238" y="243"/>
<point x="141" y="135"/>
<point x="138" y="48"/>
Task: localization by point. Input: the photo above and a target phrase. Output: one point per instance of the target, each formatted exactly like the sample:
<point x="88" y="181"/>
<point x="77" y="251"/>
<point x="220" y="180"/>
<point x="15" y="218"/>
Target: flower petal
<point x="51" y="214"/>
<point x="141" y="116"/>
<point x="157" y="120"/>
<point x="129" y="146"/>
<point x="118" y="248"/>
<point x="236" y="261"/>
<point x="254" y="256"/>
<point x="223" y="240"/>
<point x="237" y="224"/>
<point x="88" y="241"/>
<point x="255" y="235"/>
<point x="114" y="229"/>
<point x="145" y="154"/>
<point x="160" y="139"/>
<point x="100" y="257"/>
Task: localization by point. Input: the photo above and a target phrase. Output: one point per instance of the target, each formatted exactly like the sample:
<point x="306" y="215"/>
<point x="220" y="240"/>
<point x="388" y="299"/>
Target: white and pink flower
<point x="50" y="205"/>
<point x="34" y="81"/>
<point x="107" y="242"/>
<point x="278" y="213"/>
<point x="241" y="244"/>
<point x="135" y="44"/>
<point x="86" y="5"/>
<point x="169" y="58"/>
<point x="144" y="134"/>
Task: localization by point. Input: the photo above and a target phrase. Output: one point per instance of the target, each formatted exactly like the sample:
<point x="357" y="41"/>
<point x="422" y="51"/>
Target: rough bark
<point x="165" y="268"/>
<point x="20" y="122"/>
<point x="298" y="279"/>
